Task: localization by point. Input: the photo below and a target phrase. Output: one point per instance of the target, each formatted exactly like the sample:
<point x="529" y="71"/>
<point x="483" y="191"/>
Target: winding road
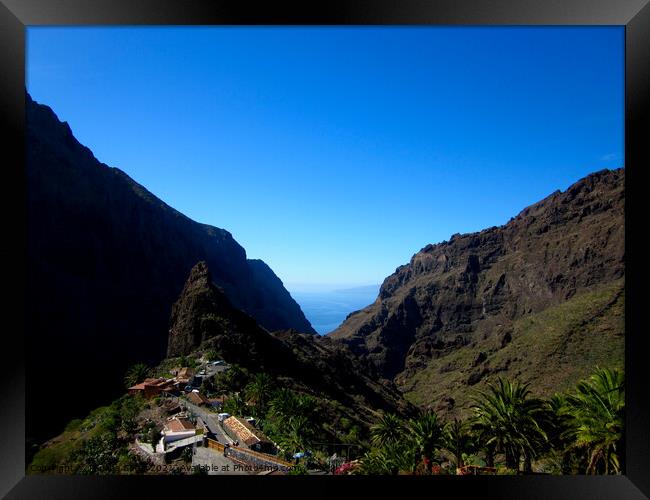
<point x="211" y="420"/>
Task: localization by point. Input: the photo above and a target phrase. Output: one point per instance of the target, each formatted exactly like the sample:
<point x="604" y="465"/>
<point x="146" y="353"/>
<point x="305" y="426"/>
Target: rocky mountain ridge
<point x="463" y="294"/>
<point x="105" y="261"/>
<point x="203" y="319"/>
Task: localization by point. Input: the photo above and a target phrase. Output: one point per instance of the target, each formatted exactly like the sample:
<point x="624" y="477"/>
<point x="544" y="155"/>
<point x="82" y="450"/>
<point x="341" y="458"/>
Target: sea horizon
<point x="327" y="306"/>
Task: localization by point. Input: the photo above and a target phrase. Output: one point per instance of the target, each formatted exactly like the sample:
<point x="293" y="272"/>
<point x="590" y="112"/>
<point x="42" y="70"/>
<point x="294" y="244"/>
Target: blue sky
<point x="335" y="154"/>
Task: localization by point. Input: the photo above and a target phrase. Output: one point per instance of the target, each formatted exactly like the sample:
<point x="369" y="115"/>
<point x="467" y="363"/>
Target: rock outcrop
<point x="204" y="319"/>
<point x="471" y="294"/>
<point x="204" y="314"/>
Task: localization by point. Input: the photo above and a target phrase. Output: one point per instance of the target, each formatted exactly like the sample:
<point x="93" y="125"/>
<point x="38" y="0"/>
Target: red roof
<point x="151" y="382"/>
<point x="244" y="431"/>
<point x="196" y="398"/>
<point x="179" y="425"/>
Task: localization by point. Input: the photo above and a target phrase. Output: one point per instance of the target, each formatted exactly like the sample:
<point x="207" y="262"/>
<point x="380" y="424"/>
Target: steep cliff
<point x="540" y="298"/>
<point x="203" y="313"/>
<point x="105" y="261"/>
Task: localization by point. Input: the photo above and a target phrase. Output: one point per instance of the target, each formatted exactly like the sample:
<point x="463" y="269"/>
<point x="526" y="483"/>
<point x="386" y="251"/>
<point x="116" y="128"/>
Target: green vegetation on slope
<point x="583" y="332"/>
<point x="97" y="444"/>
<point x="510" y="431"/>
<point x="553" y="349"/>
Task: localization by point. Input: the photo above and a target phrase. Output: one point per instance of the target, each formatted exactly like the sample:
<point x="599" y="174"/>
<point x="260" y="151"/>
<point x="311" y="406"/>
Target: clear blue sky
<point x="335" y="154"/>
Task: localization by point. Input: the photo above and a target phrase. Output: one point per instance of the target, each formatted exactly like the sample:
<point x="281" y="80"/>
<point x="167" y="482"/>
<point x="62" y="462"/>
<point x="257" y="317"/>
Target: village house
<point x="242" y="431"/>
<point x="186" y="378"/>
<point x="183" y="376"/>
<point x="152" y="387"/>
<point x="197" y="398"/>
<point x="177" y="428"/>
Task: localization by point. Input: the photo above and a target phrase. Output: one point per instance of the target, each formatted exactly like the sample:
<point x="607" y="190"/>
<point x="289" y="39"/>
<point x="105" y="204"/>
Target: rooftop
<point x="185" y="372"/>
<point x="244" y="431"/>
<point x="151" y="382"/>
<point x="196" y="398"/>
<point x="179" y="425"/>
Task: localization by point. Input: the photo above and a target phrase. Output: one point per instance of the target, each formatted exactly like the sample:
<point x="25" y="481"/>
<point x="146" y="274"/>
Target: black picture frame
<point x="15" y="15"/>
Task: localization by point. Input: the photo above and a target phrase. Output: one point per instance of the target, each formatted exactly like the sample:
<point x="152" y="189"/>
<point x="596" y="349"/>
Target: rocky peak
<point x="200" y="278"/>
<point x="202" y="312"/>
<point x="456" y="292"/>
<point x="203" y="318"/>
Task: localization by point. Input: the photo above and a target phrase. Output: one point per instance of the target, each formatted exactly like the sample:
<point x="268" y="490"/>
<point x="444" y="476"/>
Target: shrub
<point x="73" y="425"/>
<point x="187" y="453"/>
<point x="97" y="455"/>
<point x="298" y="470"/>
<point x="346" y="469"/>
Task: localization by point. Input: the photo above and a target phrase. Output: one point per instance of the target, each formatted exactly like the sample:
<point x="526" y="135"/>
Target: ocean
<point x="326" y="310"/>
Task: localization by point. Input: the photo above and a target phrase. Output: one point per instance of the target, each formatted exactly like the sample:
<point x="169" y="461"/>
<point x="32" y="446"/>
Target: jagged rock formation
<point x="203" y="318"/>
<point x="203" y="313"/>
<point x="448" y="319"/>
<point x="105" y="261"/>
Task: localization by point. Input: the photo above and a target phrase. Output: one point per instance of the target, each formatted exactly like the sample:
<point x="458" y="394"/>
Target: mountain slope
<point x="454" y="314"/>
<point x="204" y="319"/>
<point x="106" y="259"/>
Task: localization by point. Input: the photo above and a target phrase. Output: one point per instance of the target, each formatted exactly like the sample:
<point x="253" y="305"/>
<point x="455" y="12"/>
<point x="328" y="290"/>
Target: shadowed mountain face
<point x="203" y="313"/>
<point x="540" y="298"/>
<point x="106" y="260"/>
<point x="204" y="319"/>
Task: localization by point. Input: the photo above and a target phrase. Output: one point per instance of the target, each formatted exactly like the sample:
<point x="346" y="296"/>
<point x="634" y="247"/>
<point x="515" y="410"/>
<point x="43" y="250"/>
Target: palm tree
<point x="286" y="406"/>
<point x="511" y="422"/>
<point x="258" y="392"/>
<point x="388" y="430"/>
<point x="457" y="440"/>
<point x="598" y="407"/>
<point x="235" y="405"/>
<point x="392" y="452"/>
<point x="307" y="407"/>
<point x="283" y="405"/>
<point x="295" y="436"/>
<point x="136" y="374"/>
<point x="292" y="419"/>
<point x="231" y="380"/>
<point x="426" y="437"/>
<point x="560" y="429"/>
<point x="386" y="460"/>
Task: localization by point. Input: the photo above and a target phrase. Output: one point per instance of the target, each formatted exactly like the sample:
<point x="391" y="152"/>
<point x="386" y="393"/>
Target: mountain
<point x="203" y="313"/>
<point x="203" y="319"/>
<point x="105" y="261"/>
<point x="540" y="298"/>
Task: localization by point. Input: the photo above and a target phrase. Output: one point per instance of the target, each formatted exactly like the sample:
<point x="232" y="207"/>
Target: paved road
<point x="211" y="420"/>
<point x="211" y="370"/>
<point x="215" y="462"/>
